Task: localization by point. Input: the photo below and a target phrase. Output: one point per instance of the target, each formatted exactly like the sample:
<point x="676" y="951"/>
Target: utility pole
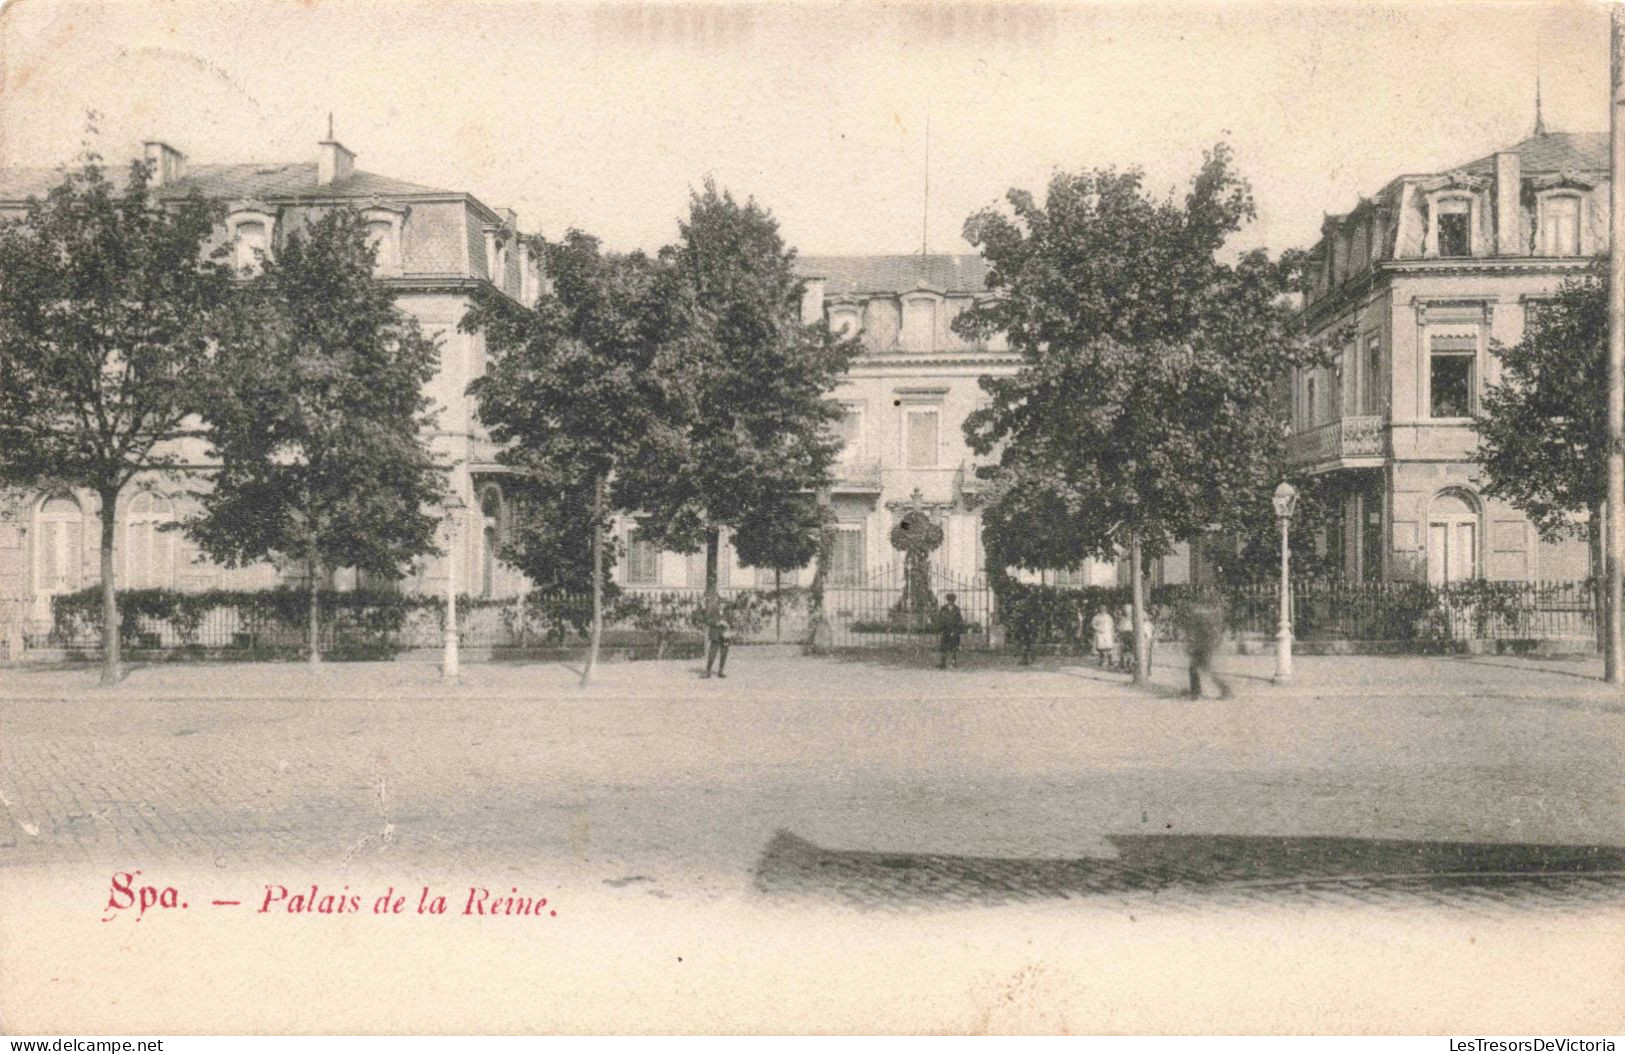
<point x="1613" y="667"/>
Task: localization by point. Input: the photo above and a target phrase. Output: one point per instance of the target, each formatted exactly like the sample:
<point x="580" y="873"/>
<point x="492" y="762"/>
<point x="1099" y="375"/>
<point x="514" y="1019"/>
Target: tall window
<point x="490" y="538"/>
<point x="1309" y="408"/>
<point x="1452" y="376"/>
<point x="149" y="549"/>
<point x="847" y="430"/>
<point x="59" y="546"/>
<point x="1560" y="226"/>
<point x="642" y="560"/>
<point x="1371" y="376"/>
<point x="920" y="438"/>
<point x="846" y="556"/>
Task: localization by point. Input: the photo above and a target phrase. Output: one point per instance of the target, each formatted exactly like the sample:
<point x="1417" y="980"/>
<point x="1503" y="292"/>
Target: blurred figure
<point x="1203" y="624"/>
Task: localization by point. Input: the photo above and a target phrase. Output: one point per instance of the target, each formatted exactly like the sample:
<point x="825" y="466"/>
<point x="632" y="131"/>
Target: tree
<point x="106" y="301"/>
<point x="1147" y="408"/>
<point x="574" y="387"/>
<point x="1543" y="430"/>
<point x="316" y="415"/>
<point x="781" y="535"/>
<point x="751" y="421"/>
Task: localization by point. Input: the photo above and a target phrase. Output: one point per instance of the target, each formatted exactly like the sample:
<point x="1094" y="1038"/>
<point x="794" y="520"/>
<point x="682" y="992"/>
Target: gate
<point x="879" y="611"/>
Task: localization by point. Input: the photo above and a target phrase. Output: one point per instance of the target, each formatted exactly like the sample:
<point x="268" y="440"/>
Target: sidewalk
<point x="850" y="675"/>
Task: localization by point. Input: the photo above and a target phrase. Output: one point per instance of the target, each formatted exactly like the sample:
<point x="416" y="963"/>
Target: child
<point x="1105" y="636"/>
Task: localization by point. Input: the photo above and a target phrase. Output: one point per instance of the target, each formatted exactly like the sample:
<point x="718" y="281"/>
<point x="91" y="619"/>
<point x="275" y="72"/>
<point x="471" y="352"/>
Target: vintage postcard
<point x="829" y="517"/>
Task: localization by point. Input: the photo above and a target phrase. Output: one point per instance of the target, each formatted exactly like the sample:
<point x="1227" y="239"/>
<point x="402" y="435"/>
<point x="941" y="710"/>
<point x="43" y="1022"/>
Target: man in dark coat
<point x="716" y="636"/>
<point x="950" y="628"/>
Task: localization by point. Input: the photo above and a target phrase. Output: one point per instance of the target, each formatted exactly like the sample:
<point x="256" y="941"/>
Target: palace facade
<point x="1423" y="282"/>
<point x="434" y="246"/>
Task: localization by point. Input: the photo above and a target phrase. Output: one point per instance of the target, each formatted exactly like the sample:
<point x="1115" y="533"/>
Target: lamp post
<point x="449" y="664"/>
<point x="1285" y="501"/>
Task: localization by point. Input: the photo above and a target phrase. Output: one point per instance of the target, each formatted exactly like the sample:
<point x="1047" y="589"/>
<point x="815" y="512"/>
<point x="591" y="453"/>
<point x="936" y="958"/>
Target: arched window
<point x="149" y="550"/>
<point x="59" y="539"/>
<point x="250" y="226"/>
<point x="252" y="242"/>
<point x="1453" y="537"/>
<point x="385" y="222"/>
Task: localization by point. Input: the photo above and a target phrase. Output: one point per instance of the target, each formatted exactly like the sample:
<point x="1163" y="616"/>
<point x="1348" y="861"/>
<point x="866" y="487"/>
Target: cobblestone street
<point x="653" y="771"/>
<point x="1481" y="790"/>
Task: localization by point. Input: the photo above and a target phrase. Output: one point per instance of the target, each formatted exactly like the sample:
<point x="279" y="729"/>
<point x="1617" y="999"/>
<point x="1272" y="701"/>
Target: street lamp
<point x="1285" y="501"/>
<point x="448" y="664"/>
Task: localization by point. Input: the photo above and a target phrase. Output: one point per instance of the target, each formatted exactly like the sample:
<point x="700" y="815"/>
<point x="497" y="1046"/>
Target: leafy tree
<point x="1147" y="405"/>
<point x="316" y="414"/>
<point x="751" y="419"/>
<point x="1543" y="430"/>
<point x="784" y="536"/>
<point x="575" y="385"/>
<point x="106" y="302"/>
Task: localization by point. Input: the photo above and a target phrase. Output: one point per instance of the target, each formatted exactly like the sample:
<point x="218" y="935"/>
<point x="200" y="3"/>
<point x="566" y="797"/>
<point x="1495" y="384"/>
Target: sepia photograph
<point x="819" y="517"/>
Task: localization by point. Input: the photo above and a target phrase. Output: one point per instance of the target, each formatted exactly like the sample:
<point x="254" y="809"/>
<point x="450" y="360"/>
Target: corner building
<point x="1422" y="282"/>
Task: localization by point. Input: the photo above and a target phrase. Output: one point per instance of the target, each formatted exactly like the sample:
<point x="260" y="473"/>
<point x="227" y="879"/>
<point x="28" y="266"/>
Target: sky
<point x="604" y="116"/>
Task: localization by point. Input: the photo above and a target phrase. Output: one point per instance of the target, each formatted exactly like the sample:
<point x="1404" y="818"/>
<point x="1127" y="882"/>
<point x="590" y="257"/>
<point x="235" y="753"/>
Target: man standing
<point x="716" y="636"/>
<point x="950" y="627"/>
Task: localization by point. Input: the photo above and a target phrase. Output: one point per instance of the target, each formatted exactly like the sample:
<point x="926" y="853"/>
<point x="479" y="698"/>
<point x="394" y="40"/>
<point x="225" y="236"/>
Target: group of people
<point x="1113" y="638"/>
<point x="1201" y="622"/>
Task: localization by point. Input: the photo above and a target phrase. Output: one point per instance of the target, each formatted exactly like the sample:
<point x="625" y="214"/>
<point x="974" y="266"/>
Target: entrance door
<point x="1452" y="540"/>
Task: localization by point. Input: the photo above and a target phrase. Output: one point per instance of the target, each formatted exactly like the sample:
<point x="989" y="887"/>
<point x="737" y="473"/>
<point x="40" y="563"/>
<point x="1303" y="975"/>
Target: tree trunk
<point x="1142" y="653"/>
<point x="713" y="551"/>
<point x="778" y="604"/>
<point x="597" y="581"/>
<point x="1599" y="594"/>
<point x="313" y="630"/>
<point x="110" y="626"/>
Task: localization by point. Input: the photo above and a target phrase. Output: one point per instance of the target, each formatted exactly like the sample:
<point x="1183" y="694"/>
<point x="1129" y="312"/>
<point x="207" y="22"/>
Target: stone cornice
<point x="983" y="359"/>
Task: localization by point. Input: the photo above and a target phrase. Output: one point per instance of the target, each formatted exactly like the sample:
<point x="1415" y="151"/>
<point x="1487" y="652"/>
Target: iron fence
<point x="882" y="611"/>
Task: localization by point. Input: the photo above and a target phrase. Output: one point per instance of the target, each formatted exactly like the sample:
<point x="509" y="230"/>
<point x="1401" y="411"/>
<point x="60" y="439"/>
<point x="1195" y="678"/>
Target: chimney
<point x="168" y="164"/>
<point x="336" y="163"/>
<point x="1508" y="204"/>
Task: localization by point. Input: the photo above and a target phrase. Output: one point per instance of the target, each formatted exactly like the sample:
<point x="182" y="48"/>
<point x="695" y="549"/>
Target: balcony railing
<point x="1361" y="438"/>
<point x="858" y="477"/>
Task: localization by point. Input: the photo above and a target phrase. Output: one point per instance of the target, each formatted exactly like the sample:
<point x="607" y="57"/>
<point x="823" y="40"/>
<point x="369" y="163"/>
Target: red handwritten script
<point x="129" y="893"/>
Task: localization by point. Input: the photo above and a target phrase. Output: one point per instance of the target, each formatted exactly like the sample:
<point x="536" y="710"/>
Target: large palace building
<point x="435" y="247"/>
<point x="1423" y="282"/>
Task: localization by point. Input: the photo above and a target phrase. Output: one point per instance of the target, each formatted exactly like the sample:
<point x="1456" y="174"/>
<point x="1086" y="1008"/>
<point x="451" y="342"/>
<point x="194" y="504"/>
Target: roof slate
<point x="232" y="182"/>
<point x="896" y="274"/>
<point x="1550" y="152"/>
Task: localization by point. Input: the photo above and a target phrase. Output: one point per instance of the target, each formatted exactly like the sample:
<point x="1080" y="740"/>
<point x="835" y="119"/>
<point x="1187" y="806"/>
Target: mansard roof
<point x="231" y="182"/>
<point x="896" y="274"/>
<point x="1550" y="152"/>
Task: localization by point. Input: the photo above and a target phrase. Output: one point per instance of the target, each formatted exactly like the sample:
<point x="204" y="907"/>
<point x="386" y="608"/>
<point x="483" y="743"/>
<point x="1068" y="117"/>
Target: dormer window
<point x="1453" y="219"/>
<point x="384" y="223"/>
<point x="249" y="229"/>
<point x="920" y="323"/>
<point x="1559" y="225"/>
